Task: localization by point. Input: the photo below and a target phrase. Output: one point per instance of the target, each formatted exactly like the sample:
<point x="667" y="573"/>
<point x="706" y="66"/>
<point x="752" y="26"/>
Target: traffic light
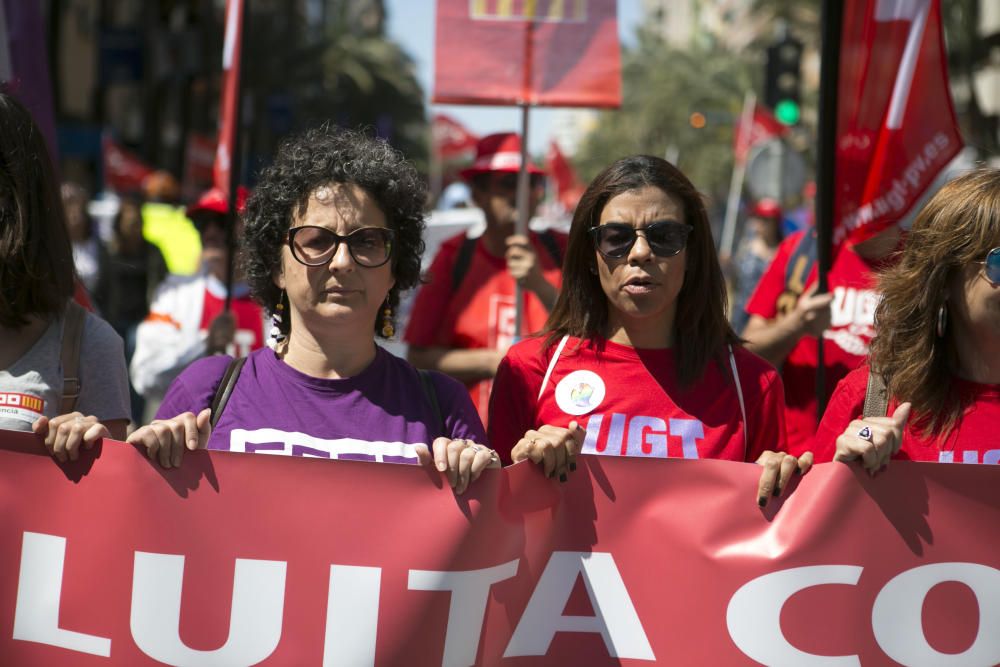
<point x="697" y="120"/>
<point x="783" y="80"/>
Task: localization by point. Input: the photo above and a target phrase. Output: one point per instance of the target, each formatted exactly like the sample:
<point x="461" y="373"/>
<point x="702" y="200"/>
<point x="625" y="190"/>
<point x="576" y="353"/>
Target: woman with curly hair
<point x="936" y="351"/>
<point x="332" y="236"/>
<point x="637" y="358"/>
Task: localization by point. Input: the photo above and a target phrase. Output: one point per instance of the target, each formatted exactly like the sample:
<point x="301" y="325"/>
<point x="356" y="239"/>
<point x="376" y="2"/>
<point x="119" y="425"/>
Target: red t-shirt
<point x="845" y="343"/>
<point x="249" y="321"/>
<point x="630" y="404"/>
<point x="480" y="314"/>
<point x="973" y="440"/>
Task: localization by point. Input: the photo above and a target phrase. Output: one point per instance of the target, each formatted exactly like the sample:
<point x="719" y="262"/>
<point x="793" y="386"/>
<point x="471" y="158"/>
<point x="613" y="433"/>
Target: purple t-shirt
<point x="378" y="415"/>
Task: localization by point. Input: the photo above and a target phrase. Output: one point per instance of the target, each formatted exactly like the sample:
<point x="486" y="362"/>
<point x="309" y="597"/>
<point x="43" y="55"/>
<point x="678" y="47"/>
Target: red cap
<point x="766" y="208"/>
<point x="498" y="152"/>
<point x="215" y="200"/>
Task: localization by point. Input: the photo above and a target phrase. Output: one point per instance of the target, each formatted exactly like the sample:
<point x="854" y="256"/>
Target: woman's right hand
<point x="873" y="440"/>
<point x="553" y="447"/>
<point x="166" y="439"/>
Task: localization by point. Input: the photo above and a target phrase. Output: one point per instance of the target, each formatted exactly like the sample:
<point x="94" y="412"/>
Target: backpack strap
<point x="465" y="251"/>
<point x="876" y="396"/>
<point x="225" y="390"/>
<point x="71" y="341"/>
<point x="430" y="393"/>
<point x="462" y="261"/>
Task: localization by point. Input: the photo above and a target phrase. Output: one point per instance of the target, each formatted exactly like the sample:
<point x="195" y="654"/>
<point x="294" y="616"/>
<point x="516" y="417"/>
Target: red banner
<point x="246" y="559"/>
<point x="450" y="139"/>
<point x="123" y="171"/>
<point x="230" y="93"/>
<point x="538" y="52"/>
<point x="763" y="126"/>
<point x="896" y="128"/>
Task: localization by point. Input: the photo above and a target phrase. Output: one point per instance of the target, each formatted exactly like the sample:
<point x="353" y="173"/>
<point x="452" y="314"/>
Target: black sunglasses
<point x="665" y="238"/>
<point x="314" y="246"/>
<point x="992" y="266"/>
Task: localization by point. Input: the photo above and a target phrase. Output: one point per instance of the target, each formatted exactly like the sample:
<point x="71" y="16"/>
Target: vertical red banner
<point x="539" y="52"/>
<point x="896" y="127"/>
<point x="230" y="94"/>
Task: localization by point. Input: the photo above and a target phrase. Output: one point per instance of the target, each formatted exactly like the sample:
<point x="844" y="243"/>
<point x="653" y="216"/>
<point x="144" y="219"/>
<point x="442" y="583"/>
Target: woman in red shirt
<point x="637" y="357"/>
<point x="937" y="342"/>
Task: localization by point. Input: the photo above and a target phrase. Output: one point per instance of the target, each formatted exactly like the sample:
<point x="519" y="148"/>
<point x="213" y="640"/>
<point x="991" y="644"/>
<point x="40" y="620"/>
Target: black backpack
<point x="468" y="247"/>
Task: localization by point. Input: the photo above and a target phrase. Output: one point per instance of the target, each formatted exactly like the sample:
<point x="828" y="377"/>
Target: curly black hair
<point x="322" y="156"/>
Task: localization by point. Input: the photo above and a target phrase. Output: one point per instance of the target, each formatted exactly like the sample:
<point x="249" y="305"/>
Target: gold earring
<point x="387" y="329"/>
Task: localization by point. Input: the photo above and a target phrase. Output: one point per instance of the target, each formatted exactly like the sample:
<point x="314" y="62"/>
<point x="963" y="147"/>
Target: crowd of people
<point x="626" y="347"/>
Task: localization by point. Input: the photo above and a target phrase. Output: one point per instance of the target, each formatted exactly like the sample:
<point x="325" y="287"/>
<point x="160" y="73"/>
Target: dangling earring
<point x="387" y="329"/>
<point x="277" y="336"/>
<point x="942" y="320"/>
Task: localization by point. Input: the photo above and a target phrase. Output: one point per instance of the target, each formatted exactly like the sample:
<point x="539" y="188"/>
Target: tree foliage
<point x="661" y="88"/>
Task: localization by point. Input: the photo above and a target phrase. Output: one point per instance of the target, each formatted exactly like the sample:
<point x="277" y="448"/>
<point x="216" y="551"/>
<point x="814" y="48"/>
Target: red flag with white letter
<point x="896" y="127"/>
<point x="230" y="91"/>
<point x="538" y="52"/>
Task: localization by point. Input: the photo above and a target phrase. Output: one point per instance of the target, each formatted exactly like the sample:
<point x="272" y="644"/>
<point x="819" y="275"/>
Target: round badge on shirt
<point x="580" y="392"/>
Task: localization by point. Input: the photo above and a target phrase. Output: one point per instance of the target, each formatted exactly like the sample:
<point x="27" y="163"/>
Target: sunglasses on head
<point x="665" y="238"/>
<point x="991" y="266"/>
<point x="314" y="246"/>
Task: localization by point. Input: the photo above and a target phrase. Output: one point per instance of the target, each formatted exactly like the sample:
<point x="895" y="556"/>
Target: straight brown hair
<point x="36" y="258"/>
<point x="701" y="330"/>
<point x="959" y="225"/>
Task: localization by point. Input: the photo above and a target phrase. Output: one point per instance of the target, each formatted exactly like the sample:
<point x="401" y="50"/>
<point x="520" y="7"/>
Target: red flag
<point x="539" y="52"/>
<point x="123" y="171"/>
<point x="896" y="127"/>
<point x="450" y="138"/>
<point x="230" y="92"/>
<point x="568" y="187"/>
<point x="762" y="127"/>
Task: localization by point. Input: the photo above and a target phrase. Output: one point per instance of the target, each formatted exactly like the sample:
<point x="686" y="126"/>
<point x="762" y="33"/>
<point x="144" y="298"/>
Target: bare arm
<point x="465" y="365"/>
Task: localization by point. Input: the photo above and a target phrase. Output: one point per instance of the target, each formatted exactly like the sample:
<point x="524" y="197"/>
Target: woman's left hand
<point x="461" y="460"/>
<point x="65" y="434"/>
<point x="778" y="470"/>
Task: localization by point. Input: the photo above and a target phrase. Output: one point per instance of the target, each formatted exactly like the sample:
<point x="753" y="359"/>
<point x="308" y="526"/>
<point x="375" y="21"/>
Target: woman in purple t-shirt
<point x="333" y="234"/>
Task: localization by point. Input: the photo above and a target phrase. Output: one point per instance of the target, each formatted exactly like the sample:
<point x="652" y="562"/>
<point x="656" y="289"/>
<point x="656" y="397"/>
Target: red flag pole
<point x="826" y="164"/>
<point x="523" y="185"/>
<point x="228" y="167"/>
<point x="744" y="129"/>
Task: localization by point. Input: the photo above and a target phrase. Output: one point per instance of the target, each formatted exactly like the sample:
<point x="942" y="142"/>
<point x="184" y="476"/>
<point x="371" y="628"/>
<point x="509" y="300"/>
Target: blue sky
<point x="411" y="23"/>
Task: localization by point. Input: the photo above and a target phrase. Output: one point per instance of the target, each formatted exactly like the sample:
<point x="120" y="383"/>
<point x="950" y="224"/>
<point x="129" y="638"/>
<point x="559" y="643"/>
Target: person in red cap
<point x="187" y="319"/>
<point x="757" y="247"/>
<point x="462" y="321"/>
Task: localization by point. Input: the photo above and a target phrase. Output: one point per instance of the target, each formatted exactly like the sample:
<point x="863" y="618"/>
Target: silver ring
<point x="865" y="433"/>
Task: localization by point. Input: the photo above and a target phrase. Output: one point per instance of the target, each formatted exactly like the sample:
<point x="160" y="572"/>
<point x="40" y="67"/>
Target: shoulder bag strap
<point x="225" y="389"/>
<point x="430" y="393"/>
<point x="743" y="407"/>
<point x="548" y="239"/>
<point x="462" y="261"/>
<point x="876" y="396"/>
<point x="71" y="340"/>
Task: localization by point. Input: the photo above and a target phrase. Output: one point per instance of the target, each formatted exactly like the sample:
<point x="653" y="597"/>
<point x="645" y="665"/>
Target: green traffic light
<point x="787" y="112"/>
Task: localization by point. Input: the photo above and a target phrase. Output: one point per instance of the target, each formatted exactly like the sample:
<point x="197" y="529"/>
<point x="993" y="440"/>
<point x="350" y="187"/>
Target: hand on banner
<point x="778" y="470"/>
<point x="812" y="312"/>
<point x="462" y="461"/>
<point x="873" y="440"/>
<point x="165" y="439"/>
<point x="66" y="433"/>
<point x="553" y="447"/>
